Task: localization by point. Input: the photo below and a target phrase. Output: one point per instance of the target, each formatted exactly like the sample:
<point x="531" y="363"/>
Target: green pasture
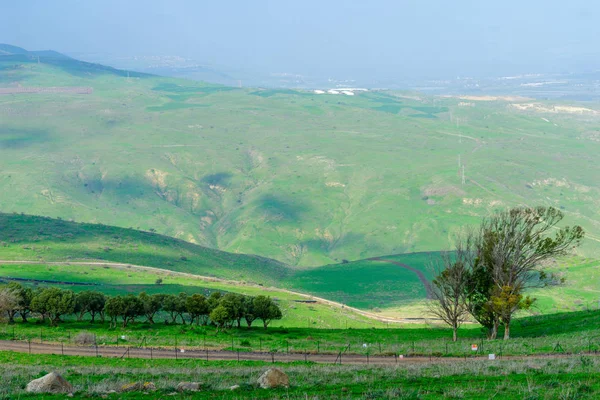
<point x="305" y="179"/>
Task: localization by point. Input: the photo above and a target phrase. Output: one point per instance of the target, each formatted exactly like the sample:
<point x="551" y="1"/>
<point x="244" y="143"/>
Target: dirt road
<point x="221" y="355"/>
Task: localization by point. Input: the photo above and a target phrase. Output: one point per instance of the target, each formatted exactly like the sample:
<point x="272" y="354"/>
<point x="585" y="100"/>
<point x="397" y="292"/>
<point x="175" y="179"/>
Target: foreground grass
<point x="567" y="378"/>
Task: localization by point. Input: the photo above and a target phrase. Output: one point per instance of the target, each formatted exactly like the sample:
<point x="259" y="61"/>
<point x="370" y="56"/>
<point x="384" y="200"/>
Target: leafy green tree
<point x="266" y="310"/>
<point x="249" y="313"/>
<point x="197" y="308"/>
<point x="176" y="306"/>
<point x="132" y="308"/>
<point x="24" y="295"/>
<point x="128" y="308"/>
<point x="89" y="301"/>
<point x="234" y="303"/>
<point x="54" y="303"/>
<point x="214" y="300"/>
<point x="9" y="303"/>
<point x="220" y="316"/>
<point x="114" y="308"/>
<point x="151" y="304"/>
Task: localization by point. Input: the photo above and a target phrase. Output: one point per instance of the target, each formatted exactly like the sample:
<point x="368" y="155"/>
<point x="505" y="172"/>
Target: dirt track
<point x="179" y="353"/>
<point x="221" y="355"/>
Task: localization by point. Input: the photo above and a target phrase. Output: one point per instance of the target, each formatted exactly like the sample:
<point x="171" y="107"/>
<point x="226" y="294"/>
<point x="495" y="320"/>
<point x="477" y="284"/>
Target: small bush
<point x="85" y="338"/>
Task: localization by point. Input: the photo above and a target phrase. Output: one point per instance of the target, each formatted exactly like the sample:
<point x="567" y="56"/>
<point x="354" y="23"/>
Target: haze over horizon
<point x="383" y="39"/>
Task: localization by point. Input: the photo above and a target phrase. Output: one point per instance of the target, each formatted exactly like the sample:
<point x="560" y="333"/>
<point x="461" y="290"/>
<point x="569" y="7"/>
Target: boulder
<point x="51" y="383"/>
<point x="189" y="387"/>
<point x="139" y="387"/>
<point x="272" y="378"/>
<point x="234" y="387"/>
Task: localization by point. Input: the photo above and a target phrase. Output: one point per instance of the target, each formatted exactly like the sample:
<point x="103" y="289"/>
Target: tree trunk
<point x="494" y="331"/>
<point x="454" y="336"/>
<point x="93" y="314"/>
<point x="507" y="330"/>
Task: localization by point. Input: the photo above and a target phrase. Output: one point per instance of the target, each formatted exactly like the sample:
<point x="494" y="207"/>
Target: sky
<point x="383" y="39"/>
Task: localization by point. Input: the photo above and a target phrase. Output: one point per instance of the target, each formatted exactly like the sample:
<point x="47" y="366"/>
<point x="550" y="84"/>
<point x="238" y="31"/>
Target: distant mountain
<point x="10" y="53"/>
<point x="7" y="49"/>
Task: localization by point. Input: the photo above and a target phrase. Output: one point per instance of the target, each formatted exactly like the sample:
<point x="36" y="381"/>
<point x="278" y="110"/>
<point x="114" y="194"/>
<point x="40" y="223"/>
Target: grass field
<point x="303" y="178"/>
<point x="376" y="285"/>
<point x="571" y="378"/>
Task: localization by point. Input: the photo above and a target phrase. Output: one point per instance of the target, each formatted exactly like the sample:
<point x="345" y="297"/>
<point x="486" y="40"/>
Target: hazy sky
<point x="375" y="38"/>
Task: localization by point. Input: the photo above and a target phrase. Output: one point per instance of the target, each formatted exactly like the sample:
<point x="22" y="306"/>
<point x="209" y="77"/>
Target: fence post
<point x="151" y="352"/>
<point x="318" y="347"/>
<point x="29" y="341"/>
<point x="206" y="354"/>
<point x="96" y="350"/>
<point x="273" y="357"/>
<point x="41" y="335"/>
<point x="62" y="348"/>
<point x="287" y="347"/>
<point x="367" y="358"/>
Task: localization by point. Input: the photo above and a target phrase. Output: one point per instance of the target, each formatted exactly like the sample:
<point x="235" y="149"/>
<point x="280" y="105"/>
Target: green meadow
<point x="303" y="178"/>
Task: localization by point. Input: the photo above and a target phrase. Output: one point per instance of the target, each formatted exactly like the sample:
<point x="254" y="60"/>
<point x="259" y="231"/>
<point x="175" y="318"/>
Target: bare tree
<point x="450" y="288"/>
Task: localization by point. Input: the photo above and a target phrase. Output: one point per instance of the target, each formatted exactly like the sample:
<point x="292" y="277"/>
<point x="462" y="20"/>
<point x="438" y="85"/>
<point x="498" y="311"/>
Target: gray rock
<point x="189" y="387"/>
<point x="234" y="387"/>
<point x="272" y="378"/>
<point x="51" y="383"/>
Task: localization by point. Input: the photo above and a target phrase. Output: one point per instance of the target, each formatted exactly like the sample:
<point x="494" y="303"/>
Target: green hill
<point x="32" y="238"/>
<point x="303" y="178"/>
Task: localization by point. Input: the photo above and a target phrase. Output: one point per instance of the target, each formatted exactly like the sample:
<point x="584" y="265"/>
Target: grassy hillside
<point x="307" y="179"/>
<point x="371" y="284"/>
<point x="25" y="237"/>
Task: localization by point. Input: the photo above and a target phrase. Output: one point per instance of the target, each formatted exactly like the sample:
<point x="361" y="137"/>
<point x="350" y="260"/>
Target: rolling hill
<point x="304" y="178"/>
<point x="115" y="260"/>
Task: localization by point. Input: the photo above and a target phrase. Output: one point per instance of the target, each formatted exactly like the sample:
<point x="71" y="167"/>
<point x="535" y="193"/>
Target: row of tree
<point x="52" y="304"/>
<point x="487" y="274"/>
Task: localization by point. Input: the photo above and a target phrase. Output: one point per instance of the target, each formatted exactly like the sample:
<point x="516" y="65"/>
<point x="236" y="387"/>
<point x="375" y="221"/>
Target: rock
<point x="189" y="387"/>
<point x="273" y="378"/>
<point x="234" y="387"/>
<point x="51" y="383"/>
<point x="139" y="387"/>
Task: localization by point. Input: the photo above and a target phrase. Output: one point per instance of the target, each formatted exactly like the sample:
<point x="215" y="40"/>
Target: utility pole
<point x="463" y="174"/>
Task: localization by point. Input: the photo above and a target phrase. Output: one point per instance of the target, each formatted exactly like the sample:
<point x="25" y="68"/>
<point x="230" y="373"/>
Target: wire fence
<point x="259" y="349"/>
